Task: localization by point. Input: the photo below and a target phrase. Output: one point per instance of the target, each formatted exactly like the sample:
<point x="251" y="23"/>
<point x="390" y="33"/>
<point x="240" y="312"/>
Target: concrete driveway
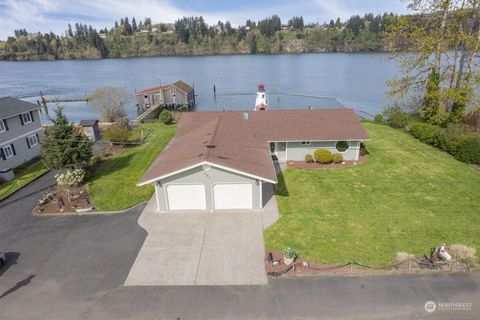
<point x="190" y="248"/>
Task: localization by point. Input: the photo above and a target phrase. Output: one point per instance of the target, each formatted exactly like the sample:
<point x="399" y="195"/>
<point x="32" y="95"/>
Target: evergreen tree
<point x="127" y="27"/>
<point x="63" y="147"/>
<point x="338" y="23"/>
<point x="134" y="25"/>
<point x="70" y="32"/>
<point x="431" y="98"/>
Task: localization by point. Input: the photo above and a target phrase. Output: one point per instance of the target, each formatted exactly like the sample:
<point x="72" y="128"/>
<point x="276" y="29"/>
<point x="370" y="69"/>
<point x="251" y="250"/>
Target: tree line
<point x="193" y="36"/>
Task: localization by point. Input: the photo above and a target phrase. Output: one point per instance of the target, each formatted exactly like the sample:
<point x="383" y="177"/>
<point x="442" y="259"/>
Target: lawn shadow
<point x="111" y="165"/>
<point x="281" y="186"/>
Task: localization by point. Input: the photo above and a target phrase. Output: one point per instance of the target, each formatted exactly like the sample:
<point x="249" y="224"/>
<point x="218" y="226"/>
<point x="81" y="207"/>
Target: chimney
<point x="246" y="116"/>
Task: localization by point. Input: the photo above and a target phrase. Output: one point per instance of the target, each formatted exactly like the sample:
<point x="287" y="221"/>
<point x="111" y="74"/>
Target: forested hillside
<point x="192" y="36"/>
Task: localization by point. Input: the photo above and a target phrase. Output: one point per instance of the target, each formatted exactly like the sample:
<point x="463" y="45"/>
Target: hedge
<point x="457" y="140"/>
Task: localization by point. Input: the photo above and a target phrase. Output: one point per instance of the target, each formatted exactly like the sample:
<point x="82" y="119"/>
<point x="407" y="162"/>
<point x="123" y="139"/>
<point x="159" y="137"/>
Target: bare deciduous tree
<point x="110" y="102"/>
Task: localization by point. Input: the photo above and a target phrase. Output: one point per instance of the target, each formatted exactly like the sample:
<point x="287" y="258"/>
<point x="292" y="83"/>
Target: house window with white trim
<point x="27" y="117"/>
<point x="306" y="143"/>
<point x="342" y="146"/>
<point x="32" y="140"/>
<point x="8" y="151"/>
<point x="2" y="126"/>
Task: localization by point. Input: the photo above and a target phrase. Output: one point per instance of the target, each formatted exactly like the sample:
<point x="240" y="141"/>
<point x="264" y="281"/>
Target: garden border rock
<point x="92" y="213"/>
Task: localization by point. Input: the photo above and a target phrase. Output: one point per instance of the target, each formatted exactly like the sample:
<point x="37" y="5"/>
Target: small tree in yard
<point x="166" y="117"/>
<point x="63" y="147"/>
<point x="110" y="102"/>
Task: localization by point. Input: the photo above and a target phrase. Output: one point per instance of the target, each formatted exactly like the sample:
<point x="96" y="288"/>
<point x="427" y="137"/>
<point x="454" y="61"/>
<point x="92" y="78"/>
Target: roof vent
<point x="210" y="146"/>
<point x="246" y="116"/>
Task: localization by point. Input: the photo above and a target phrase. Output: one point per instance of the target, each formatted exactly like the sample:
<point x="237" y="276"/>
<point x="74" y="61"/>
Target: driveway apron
<point x="199" y="248"/>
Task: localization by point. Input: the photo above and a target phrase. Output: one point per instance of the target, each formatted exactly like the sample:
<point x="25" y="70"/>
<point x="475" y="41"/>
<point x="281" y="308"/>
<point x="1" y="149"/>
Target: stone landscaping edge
<point x="93" y="213"/>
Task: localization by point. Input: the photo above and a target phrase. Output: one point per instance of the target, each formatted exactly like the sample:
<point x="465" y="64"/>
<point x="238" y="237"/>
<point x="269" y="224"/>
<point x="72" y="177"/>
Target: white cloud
<point x="54" y="15"/>
<point x="334" y="9"/>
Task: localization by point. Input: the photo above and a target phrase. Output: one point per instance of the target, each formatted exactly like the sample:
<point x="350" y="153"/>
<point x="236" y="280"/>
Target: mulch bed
<point x="300" y="268"/>
<point x="61" y="201"/>
<point x="304" y="267"/>
<point x="344" y="164"/>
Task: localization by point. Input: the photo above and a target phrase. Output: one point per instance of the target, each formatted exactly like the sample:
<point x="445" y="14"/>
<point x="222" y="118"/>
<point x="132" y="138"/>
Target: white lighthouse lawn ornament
<point x="443" y="253"/>
<point x="261" y="101"/>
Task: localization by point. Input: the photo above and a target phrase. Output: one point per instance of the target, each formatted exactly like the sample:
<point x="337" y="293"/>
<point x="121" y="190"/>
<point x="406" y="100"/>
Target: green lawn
<point x="24" y="174"/>
<point x="113" y="184"/>
<point x="399" y="200"/>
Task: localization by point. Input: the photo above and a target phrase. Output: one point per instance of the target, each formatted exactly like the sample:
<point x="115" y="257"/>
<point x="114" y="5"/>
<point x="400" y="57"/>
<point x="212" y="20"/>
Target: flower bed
<point x="63" y="201"/>
<point x="315" y="165"/>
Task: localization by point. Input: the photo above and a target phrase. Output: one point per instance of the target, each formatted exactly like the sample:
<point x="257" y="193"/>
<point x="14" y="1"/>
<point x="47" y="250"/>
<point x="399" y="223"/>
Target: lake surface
<point x="354" y="80"/>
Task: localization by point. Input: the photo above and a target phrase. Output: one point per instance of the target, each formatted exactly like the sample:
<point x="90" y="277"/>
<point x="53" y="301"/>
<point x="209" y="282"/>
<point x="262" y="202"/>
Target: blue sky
<point x="53" y="15"/>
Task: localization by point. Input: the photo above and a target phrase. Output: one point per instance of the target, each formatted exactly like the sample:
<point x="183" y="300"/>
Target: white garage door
<point x="232" y="196"/>
<point x="186" y="197"/>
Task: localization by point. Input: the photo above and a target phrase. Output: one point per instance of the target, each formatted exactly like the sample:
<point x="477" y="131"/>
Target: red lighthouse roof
<point x="261" y="86"/>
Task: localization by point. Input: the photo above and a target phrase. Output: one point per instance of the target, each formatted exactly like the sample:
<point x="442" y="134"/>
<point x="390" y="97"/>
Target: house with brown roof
<point x="173" y="94"/>
<point x="219" y="160"/>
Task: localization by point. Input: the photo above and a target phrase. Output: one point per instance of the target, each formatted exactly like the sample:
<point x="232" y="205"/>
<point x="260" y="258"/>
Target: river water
<point x="354" y="80"/>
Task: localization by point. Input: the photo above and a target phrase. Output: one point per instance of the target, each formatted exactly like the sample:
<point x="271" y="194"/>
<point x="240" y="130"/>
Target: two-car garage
<point x="194" y="196"/>
<point x="208" y="188"/>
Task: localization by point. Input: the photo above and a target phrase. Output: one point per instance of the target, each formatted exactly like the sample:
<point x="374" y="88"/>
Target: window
<point x="342" y="146"/>
<point x="32" y="140"/>
<point x="8" y="151"/>
<point x="27" y="117"/>
<point x="306" y="143"/>
<point x="2" y="126"/>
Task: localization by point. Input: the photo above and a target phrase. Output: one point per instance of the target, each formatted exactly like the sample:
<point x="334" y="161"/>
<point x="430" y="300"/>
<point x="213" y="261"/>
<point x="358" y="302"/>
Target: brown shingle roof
<point x="183" y="86"/>
<point x="226" y="139"/>
<point x="179" y="84"/>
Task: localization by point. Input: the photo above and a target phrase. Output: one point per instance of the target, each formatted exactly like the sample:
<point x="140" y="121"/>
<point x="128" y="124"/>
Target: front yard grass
<point x="113" y="185"/>
<point x="408" y="196"/>
<point x="24" y="174"/>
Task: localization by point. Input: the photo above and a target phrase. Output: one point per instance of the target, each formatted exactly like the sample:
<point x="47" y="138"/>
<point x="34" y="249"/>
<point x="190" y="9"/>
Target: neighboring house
<point x="20" y="131"/>
<point x="219" y="160"/>
<point x="90" y="129"/>
<point x="173" y="94"/>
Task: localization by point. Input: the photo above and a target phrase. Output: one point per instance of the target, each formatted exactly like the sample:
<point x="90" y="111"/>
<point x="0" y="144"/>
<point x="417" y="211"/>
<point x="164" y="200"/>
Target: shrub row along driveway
<point x="408" y="196"/>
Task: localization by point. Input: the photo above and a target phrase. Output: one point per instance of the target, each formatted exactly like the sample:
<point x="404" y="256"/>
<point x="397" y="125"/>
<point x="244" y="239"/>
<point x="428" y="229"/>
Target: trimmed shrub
<point x="308" y="158"/>
<point x="378" y="118"/>
<point x="458" y="140"/>
<point x="427" y="133"/>
<point x="396" y="118"/>
<point x="322" y="156"/>
<point x="337" y="158"/>
<point x="363" y="149"/>
<point x="466" y="148"/>
<point x="166" y="117"/>
<point x="70" y="178"/>
<point x="116" y="134"/>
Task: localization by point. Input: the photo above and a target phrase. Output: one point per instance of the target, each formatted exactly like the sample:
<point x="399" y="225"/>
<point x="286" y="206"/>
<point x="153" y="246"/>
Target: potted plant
<point x="289" y="256"/>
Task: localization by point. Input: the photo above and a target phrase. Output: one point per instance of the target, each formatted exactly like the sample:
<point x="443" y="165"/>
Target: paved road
<point x="74" y="267"/>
